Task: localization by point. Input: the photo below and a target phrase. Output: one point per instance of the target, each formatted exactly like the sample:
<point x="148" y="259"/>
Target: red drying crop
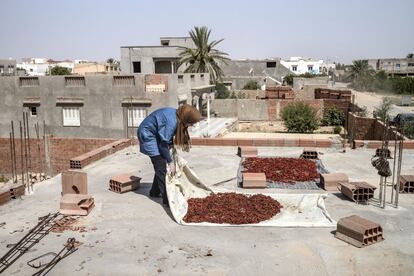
<point x="282" y="169"/>
<point x="232" y="208"/>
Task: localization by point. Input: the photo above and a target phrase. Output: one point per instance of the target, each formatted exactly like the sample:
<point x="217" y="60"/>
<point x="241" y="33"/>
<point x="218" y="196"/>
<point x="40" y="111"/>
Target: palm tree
<point x="203" y="58"/>
<point x="360" y="68"/>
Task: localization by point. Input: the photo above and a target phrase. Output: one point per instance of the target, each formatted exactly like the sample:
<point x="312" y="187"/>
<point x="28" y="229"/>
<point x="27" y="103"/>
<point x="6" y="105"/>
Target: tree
<point x="251" y="85"/>
<point x="110" y="60"/>
<point x="203" y="58"/>
<point x="221" y="91"/>
<point x="59" y="70"/>
<point x="359" y="69"/>
<point x="410" y="55"/>
<point x="288" y="79"/>
<point x="383" y="110"/>
<point x="300" y="117"/>
<point x="334" y="117"/>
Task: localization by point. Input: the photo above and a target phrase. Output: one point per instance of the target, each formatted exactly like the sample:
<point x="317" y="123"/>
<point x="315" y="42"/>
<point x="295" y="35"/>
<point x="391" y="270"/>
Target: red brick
<point x="291" y="142"/>
<point x="74" y="182"/>
<point x="254" y="180"/>
<point x="246" y="151"/>
<point x="307" y="142"/>
<point x="323" y="143"/>
<point x="244" y="142"/>
<point x="76" y="204"/>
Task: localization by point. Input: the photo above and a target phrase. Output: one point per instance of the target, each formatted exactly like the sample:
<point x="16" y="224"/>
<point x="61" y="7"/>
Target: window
<point x="136" y="115"/>
<point x="192" y="77"/>
<point x="202" y="77"/>
<point x="398" y="66"/>
<point x="294" y="68"/>
<point x="74" y="81"/>
<point x="124" y="81"/>
<point x="1" y="69"/>
<point x="71" y="116"/>
<point x="29" y="81"/>
<point x="410" y="64"/>
<point x="11" y="69"/>
<point x="180" y="79"/>
<point x="310" y="67"/>
<point x="136" y="66"/>
<point x="33" y="111"/>
<point x="271" y="64"/>
<point x="165" y="42"/>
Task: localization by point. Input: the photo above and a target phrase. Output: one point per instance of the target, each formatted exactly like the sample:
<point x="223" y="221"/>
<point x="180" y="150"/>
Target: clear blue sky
<point x="94" y="30"/>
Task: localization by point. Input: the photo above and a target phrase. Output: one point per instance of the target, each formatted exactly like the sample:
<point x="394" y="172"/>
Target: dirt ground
<point x="271" y="127"/>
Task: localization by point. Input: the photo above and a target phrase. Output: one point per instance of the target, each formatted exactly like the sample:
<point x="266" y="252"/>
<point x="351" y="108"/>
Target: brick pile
<point x="232" y="208"/>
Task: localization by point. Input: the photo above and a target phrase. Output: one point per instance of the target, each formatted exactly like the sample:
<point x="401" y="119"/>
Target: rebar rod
<point x="400" y="157"/>
<point x="21" y="152"/>
<point x="393" y="169"/>
<point x="25" y="153"/>
<point x="39" y="160"/>
<point x="28" y="146"/>
<point x="14" y="153"/>
<point x="11" y="156"/>
<point x="44" y="147"/>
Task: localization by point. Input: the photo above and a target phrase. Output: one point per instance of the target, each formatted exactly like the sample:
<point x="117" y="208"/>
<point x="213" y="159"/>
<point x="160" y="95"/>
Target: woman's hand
<point x="171" y="167"/>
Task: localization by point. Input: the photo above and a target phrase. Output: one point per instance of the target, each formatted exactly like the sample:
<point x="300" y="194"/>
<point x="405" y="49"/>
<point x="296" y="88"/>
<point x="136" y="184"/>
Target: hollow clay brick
<point x="254" y="180"/>
<point x="74" y="182"/>
<point x="330" y="181"/>
<point x="358" y="231"/>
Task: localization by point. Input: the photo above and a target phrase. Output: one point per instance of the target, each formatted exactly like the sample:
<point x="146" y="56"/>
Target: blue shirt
<point x="156" y="133"/>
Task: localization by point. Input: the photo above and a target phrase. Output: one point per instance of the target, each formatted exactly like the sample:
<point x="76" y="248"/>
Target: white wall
<point x="302" y="65"/>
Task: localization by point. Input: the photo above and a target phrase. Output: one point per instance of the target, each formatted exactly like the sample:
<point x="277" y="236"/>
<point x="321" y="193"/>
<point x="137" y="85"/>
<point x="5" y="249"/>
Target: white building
<point x="42" y="66"/>
<point x="298" y="65"/>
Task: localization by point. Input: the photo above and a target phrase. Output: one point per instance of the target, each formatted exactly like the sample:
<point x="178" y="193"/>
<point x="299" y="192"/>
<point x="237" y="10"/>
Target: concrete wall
<point x="102" y="111"/>
<point x="360" y="128"/>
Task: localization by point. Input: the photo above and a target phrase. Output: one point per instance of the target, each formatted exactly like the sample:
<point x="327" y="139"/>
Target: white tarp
<point x="299" y="210"/>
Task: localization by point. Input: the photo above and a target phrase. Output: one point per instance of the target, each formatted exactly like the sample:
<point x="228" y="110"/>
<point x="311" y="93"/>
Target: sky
<point x="340" y="31"/>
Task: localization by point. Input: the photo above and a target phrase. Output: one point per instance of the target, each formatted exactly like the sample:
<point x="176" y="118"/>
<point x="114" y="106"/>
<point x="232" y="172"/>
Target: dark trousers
<point x="158" y="184"/>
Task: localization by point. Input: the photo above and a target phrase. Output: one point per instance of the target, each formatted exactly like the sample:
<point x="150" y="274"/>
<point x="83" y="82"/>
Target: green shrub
<point x="300" y="117"/>
<point x="383" y="110"/>
<point x="221" y="91"/>
<point x="337" y="129"/>
<point x="251" y="85"/>
<point x="334" y="117"/>
<point x="409" y="130"/>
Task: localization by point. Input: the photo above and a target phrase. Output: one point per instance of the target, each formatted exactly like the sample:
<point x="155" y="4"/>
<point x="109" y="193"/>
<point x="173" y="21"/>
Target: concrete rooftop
<point x="135" y="235"/>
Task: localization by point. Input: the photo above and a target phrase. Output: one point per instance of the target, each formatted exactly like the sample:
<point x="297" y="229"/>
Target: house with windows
<point x="8" y="67"/>
<point x="403" y="67"/>
<point x="98" y="106"/>
<point x="299" y="65"/>
<point x="42" y="66"/>
<point x="160" y="59"/>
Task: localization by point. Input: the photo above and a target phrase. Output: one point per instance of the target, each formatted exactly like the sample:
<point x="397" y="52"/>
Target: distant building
<point x="162" y="59"/>
<point x="8" y="67"/>
<point x="91" y="68"/>
<point x="42" y="66"/>
<point x="298" y="65"/>
<point x="394" y="66"/>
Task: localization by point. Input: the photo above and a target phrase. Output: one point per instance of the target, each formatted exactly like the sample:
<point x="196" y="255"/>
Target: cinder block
<point x="247" y="151"/>
<point x="76" y="204"/>
<point x="357" y="191"/>
<point x="330" y="181"/>
<point x="358" y="231"/>
<point x="254" y="180"/>
<point x="74" y="182"/>
<point x="4" y="197"/>
<point x="17" y="190"/>
<point x="309" y="153"/>
<point x="124" y="183"/>
<point x="407" y="184"/>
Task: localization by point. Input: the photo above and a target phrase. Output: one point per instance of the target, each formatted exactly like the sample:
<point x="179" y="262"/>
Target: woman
<point x="161" y="129"/>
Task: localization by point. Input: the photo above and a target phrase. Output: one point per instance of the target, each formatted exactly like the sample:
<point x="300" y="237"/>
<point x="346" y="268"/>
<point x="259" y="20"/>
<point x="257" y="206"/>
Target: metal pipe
<point x="21" y="152"/>
<point x="400" y="157"/>
<point x="39" y="160"/>
<point x="44" y="146"/>
<point x="393" y="169"/>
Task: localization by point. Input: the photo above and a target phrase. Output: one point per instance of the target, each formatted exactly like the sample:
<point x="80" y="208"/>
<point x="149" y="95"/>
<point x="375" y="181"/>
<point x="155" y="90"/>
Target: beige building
<point x="92" y="68"/>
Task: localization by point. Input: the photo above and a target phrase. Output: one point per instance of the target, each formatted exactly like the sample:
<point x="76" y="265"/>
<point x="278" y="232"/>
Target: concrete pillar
<point x="172" y="67"/>
<point x="198" y="108"/>
<point x="208" y="112"/>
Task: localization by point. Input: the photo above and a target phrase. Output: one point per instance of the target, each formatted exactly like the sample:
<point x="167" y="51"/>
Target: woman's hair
<point x="186" y="115"/>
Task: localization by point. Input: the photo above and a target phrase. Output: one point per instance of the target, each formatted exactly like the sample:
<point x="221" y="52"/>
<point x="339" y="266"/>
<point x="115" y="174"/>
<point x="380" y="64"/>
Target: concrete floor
<point x="135" y="235"/>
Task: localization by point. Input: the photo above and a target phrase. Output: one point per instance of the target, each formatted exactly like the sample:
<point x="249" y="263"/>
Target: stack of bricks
<point x="280" y="92"/>
<point x="330" y="181"/>
<point x="309" y="153"/>
<point x="358" y="231"/>
<point x="124" y="183"/>
<point x="357" y="191"/>
<point x="75" y="198"/>
<point x="83" y="160"/>
<point x="254" y="180"/>
<point x="263" y="142"/>
<point x="407" y="184"/>
<point x="247" y="151"/>
<point x="325" y="93"/>
<point x="4" y="196"/>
